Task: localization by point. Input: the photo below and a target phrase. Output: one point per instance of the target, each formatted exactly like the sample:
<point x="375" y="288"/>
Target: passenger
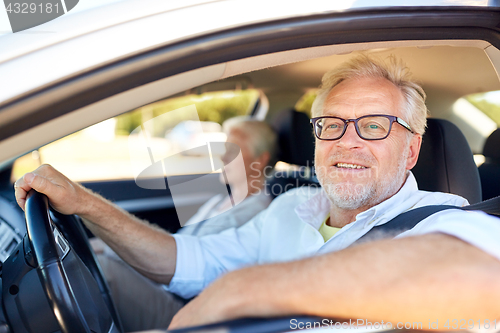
<point x="447" y="269"/>
<point x="258" y="144"/>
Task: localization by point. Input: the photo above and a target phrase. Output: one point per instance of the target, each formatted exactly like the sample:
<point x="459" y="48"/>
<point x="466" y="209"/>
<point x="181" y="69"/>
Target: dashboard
<point x="12" y="225"/>
<point x="9" y="239"/>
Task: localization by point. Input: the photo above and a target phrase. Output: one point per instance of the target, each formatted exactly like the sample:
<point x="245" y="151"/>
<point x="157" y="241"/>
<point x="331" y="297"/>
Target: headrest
<point x="295" y="137"/>
<point x="446" y="162"/>
<point x="492" y="146"/>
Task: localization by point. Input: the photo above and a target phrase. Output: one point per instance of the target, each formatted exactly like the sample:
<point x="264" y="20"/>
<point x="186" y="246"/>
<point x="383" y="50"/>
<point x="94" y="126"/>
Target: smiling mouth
<point x="349" y="166"/>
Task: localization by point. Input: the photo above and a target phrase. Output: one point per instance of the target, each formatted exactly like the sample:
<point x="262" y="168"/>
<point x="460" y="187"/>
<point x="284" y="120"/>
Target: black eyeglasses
<point x="371" y="127"/>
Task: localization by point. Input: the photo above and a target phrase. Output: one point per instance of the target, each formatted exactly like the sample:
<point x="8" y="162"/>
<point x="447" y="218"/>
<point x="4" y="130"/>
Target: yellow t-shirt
<point x="326" y="231"/>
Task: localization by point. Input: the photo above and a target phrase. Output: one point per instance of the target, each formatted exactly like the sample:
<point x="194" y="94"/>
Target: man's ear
<point x="413" y="151"/>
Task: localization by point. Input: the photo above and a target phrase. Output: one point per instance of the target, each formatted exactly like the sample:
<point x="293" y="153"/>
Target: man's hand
<point x="227" y="298"/>
<point x="414" y="279"/>
<point x="64" y="195"/>
<point x="208" y="307"/>
<point x="148" y="249"/>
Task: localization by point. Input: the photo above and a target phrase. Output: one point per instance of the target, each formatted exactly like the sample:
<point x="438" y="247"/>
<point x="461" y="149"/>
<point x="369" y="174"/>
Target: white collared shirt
<point x="288" y="230"/>
<point x="209" y="220"/>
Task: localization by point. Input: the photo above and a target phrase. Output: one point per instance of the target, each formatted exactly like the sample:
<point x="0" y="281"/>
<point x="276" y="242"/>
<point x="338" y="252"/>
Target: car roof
<point x="146" y="24"/>
<point x="79" y="23"/>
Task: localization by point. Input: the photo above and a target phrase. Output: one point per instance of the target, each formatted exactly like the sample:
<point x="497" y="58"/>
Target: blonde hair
<point x="363" y="66"/>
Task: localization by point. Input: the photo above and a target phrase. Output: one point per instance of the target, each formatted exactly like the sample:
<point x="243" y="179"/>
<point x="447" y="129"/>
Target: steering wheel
<point x="78" y="294"/>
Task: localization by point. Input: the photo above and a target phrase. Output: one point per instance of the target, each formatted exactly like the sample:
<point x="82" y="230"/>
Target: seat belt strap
<point x="490" y="206"/>
<point x="411" y="218"/>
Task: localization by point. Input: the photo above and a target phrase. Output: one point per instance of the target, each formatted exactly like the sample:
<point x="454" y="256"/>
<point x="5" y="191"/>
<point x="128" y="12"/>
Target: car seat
<point x="295" y="146"/>
<point x="445" y="163"/>
<point x="489" y="171"/>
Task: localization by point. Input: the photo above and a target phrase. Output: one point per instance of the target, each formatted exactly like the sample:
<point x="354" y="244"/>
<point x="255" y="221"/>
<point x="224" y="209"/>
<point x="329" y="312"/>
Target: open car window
<point x="174" y="126"/>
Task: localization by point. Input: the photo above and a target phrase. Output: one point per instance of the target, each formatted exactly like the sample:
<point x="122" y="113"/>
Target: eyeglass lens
<point x="374" y="127"/>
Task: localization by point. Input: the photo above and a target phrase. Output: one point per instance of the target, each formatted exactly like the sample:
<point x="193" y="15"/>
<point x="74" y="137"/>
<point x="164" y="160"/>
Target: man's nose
<point x="350" y="139"/>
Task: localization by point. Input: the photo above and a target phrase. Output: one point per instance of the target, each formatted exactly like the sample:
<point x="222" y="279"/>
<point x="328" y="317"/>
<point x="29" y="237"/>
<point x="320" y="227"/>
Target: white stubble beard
<point x="349" y="195"/>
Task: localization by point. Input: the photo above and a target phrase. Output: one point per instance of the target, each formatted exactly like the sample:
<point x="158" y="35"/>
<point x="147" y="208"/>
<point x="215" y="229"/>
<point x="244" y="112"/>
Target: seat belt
<point x="411" y="218"/>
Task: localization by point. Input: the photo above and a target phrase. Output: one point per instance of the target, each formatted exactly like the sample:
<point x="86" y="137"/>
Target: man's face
<point x="357" y="173"/>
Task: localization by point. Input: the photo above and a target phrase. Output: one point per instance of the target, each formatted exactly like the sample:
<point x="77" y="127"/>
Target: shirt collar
<point x="404" y="193"/>
<point x="315" y="210"/>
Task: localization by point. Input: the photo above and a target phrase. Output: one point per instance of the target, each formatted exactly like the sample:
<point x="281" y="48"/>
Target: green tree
<point x="490" y="109"/>
<point x="212" y="106"/>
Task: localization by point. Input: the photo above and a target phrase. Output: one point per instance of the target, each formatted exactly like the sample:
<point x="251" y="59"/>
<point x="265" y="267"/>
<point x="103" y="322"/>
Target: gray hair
<point x="414" y="110"/>
<point x="262" y="138"/>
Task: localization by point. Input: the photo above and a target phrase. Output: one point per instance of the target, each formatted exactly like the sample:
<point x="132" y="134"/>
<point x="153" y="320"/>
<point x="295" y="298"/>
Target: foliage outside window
<point x="488" y="103"/>
<point x="304" y="104"/>
<point x="214" y="106"/>
<point x="101" y="152"/>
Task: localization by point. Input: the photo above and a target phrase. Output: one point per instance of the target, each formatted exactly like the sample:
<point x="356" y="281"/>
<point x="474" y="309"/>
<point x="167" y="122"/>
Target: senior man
<point x="369" y="118"/>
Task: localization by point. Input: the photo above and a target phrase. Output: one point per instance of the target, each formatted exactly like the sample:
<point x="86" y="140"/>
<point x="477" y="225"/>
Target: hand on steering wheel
<point x="79" y="302"/>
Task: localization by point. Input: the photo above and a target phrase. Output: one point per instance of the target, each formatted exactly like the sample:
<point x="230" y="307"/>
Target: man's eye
<point x="373" y="126"/>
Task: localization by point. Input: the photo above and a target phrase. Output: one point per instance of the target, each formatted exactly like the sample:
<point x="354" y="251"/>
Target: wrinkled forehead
<point x="361" y="96"/>
<point x="237" y="133"/>
<point x="239" y="137"/>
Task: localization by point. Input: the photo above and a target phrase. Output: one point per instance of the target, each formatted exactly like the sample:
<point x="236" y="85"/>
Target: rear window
<point x="488" y="103"/>
<point x="481" y="112"/>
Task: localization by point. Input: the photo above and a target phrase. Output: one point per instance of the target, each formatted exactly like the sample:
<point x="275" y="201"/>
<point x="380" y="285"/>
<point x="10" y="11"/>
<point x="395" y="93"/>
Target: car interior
<point x="450" y="158"/>
<point x="433" y="65"/>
